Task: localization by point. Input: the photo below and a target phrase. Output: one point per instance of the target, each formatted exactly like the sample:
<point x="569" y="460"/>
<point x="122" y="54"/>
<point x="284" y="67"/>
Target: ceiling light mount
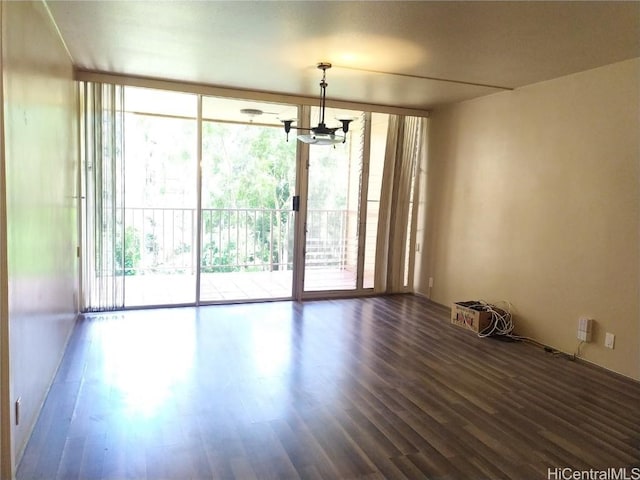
<point x="321" y="134"/>
<point x="251" y="112"/>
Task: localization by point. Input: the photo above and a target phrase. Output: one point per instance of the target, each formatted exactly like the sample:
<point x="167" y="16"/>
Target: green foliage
<point x="248" y="167"/>
<point x="216" y="260"/>
<point x="127" y="261"/>
<point x="182" y="248"/>
<point x="160" y="170"/>
<point x="248" y="179"/>
<point x="328" y="178"/>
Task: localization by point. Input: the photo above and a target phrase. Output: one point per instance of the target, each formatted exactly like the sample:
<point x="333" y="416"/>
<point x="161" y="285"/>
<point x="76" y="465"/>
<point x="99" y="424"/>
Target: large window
<point x="160" y="198"/>
<point x="189" y="200"/>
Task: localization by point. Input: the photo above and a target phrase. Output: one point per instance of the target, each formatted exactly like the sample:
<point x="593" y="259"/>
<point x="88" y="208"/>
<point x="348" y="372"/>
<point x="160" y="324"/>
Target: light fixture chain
<point x="323" y="96"/>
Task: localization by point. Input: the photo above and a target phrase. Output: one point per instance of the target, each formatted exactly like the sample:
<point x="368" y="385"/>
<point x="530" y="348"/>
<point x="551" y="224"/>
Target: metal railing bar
<point x="163" y="234"/>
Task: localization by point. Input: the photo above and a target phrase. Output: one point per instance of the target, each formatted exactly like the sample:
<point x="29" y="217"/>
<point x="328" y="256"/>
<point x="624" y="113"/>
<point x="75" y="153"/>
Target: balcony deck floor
<point x="167" y="289"/>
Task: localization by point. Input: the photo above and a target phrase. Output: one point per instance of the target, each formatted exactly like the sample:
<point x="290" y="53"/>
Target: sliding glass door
<point x="248" y="182"/>
<point x="333" y="209"/>
<point x="160" y="171"/>
<point x="207" y="185"/>
<point x="224" y="232"/>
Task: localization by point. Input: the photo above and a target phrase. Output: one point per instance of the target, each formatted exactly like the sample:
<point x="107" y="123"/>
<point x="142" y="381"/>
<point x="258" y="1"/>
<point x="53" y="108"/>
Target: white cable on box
<point x="501" y="319"/>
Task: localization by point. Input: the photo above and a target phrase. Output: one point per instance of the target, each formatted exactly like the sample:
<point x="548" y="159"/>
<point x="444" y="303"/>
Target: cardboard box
<point x="474" y="320"/>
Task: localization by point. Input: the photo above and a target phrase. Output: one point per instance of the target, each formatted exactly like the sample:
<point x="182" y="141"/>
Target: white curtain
<point x="405" y="139"/>
<point x="103" y="190"/>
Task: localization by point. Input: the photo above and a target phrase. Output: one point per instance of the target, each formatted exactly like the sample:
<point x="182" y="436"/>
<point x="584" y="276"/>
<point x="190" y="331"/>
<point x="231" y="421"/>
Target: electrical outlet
<point x="609" y="340"/>
<point x="430" y="282"/>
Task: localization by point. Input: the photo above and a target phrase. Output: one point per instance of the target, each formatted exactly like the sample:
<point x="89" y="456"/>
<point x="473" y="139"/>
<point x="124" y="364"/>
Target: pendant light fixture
<point x="321" y="135"/>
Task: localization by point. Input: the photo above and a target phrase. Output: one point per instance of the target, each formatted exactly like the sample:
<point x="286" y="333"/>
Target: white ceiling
<point x="465" y="48"/>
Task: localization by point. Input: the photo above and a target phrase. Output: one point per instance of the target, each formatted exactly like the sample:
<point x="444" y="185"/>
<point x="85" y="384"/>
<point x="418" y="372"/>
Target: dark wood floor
<point x="363" y="388"/>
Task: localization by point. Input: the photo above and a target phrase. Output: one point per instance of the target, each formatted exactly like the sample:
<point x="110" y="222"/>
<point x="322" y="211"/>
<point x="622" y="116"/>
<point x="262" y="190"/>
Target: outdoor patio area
<point x="165" y="289"/>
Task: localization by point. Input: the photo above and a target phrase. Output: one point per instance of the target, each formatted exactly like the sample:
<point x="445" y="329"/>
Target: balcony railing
<point x="163" y="240"/>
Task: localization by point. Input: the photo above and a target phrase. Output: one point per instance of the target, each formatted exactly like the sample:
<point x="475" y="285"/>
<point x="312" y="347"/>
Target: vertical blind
<point x="405" y="138"/>
<point x="103" y="192"/>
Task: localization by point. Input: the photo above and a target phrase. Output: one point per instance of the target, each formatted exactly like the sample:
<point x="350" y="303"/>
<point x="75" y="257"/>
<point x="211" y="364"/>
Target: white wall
<point x="534" y="197"/>
<point x="40" y="160"/>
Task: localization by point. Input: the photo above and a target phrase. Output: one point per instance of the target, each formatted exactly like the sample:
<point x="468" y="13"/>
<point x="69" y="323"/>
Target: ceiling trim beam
<point x="215" y="91"/>
<point x="420" y="77"/>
